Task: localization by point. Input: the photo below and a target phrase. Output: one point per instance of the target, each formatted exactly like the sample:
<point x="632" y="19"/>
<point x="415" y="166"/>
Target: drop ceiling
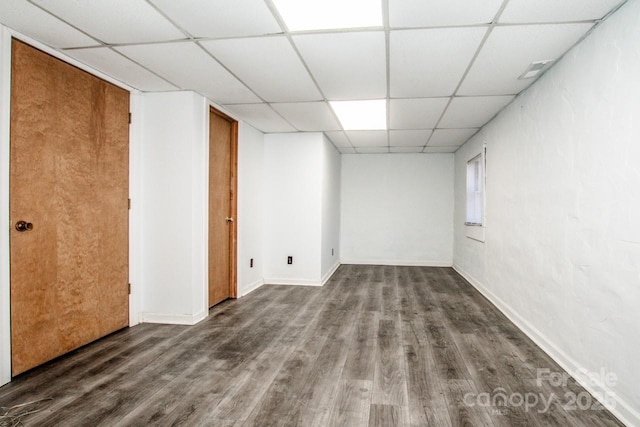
<point x="444" y="67"/>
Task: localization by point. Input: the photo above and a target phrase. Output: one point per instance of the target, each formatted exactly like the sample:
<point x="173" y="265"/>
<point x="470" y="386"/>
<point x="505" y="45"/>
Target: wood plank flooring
<point x="376" y="346"/>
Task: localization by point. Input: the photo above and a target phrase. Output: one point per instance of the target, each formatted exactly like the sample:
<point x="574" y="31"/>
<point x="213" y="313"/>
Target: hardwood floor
<point x="376" y="346"/>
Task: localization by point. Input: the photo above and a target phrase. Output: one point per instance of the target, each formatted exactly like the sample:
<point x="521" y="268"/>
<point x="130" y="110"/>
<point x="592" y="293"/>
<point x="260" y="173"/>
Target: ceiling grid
<point x="444" y="67"/>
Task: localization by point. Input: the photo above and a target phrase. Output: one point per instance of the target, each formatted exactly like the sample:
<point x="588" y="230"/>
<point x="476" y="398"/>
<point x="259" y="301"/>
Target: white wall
<point x="397" y="209"/>
<point x="292" y="207"/>
<point x="330" y="244"/>
<point x="562" y="249"/>
<point x="174" y="207"/>
<point x="250" y="207"/>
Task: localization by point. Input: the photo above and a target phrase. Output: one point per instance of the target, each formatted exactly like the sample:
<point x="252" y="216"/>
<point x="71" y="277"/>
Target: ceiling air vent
<point x="534" y="69"/>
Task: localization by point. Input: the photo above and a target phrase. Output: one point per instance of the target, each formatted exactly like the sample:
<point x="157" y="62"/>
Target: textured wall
<point x="562" y="249"/>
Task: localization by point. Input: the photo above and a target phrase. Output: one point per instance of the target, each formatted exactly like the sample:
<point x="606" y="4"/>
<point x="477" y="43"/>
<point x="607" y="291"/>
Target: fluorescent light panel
<point x="361" y="115"/>
<point x="329" y="14"/>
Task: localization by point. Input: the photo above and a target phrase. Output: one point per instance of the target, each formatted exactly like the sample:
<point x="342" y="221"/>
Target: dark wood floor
<point x="376" y="346"/>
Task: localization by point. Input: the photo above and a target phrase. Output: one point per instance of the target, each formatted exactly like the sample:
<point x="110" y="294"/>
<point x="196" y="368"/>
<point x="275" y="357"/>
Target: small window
<point x="475" y="191"/>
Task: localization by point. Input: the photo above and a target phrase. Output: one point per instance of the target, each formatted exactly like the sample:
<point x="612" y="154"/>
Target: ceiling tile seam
<point x="151" y="43"/>
<point x="556" y="61"/>
<point x="611" y="12"/>
<point x="212" y="56"/>
<point x="473" y="60"/>
<point x="546" y="23"/>
<point x="496" y="24"/>
<point x="440" y="27"/>
<point x="64" y="50"/>
<point x="102" y="43"/>
<point x="282" y="117"/>
<point x="171" y="21"/>
<point x="387" y="49"/>
<point x="396" y="98"/>
<point x="145" y="68"/>
<point x="334" y="144"/>
<point x="596" y="23"/>
<point x="287" y="34"/>
<point x="285" y="31"/>
<point x="372" y="29"/>
<point x="348" y="139"/>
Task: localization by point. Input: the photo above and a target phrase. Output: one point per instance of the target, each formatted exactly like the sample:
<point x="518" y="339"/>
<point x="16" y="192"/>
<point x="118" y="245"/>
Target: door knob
<point x="229" y="219"/>
<point x="24" y="226"/>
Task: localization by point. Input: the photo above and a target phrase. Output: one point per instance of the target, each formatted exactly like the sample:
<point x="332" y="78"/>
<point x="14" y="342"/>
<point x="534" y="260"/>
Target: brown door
<point x="223" y="145"/>
<point x="69" y="187"/>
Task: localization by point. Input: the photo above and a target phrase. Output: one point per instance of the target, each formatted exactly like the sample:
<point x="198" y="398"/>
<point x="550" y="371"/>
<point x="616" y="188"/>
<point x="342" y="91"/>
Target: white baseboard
<point x="251" y="287"/>
<point x="292" y="282"/>
<point x="403" y="263"/>
<point x="327" y="276"/>
<point x="174" y="319"/>
<point x="621" y="409"/>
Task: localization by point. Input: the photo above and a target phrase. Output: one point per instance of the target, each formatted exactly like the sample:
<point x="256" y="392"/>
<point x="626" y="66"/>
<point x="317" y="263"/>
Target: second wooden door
<point x="222" y="206"/>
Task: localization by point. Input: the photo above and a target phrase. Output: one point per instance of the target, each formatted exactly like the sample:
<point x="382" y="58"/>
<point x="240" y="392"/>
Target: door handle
<point x="23" y="226"/>
<point x="229" y="219"/>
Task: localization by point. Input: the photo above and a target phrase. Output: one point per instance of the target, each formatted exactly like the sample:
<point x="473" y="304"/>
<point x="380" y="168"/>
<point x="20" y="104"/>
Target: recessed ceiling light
<point x="534" y="69"/>
<point x="361" y="115"/>
<point x="329" y="14"/>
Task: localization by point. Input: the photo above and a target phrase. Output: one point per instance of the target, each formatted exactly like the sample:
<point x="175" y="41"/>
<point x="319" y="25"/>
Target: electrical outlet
<point x="251" y="263"/>
<point x="289" y="260"/>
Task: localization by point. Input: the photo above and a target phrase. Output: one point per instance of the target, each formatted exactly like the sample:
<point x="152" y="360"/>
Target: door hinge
<point x="129" y="204"/>
<point x="129" y="118"/>
<point x="129" y="288"/>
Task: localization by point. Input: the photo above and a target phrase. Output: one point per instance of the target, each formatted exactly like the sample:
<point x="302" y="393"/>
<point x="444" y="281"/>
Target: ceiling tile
<point x="308" y="116"/>
<point x="372" y="150"/>
<point x="261" y="117"/>
<point x="115" y="21"/>
<point x="38" y="24"/>
<point x="431" y="62"/>
<point x="120" y="68"/>
<point x="420" y="13"/>
<point x="510" y="50"/>
<point x="409" y="138"/>
<point x="221" y="18"/>
<point x="203" y="74"/>
<point x="346" y="65"/>
<point x="347" y="150"/>
<point x="472" y="112"/>
<point x="440" y="149"/>
<point x="268" y="65"/>
<point x="329" y="14"/>
<point x="450" y="137"/>
<point x="339" y="139"/>
<point x="418" y="113"/>
<point x="405" y="149"/>
<point x="526" y="11"/>
<point x="368" y="138"/>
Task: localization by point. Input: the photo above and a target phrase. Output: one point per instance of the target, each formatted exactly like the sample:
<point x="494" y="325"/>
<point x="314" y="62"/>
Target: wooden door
<point x="69" y="179"/>
<point x="223" y="133"/>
